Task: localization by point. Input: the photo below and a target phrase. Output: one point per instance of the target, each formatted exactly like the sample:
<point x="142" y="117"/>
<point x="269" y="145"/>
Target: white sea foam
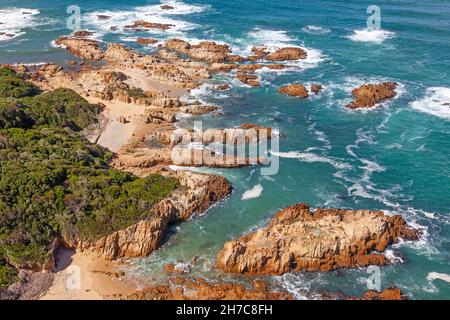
<point x="436" y="102"/>
<point x="151" y="13"/>
<point x="441" y="276"/>
<point x="316" y="29"/>
<point x="375" y="36"/>
<point x="311" y="158"/>
<point x="253" y="193"/>
<point x="14" y="20"/>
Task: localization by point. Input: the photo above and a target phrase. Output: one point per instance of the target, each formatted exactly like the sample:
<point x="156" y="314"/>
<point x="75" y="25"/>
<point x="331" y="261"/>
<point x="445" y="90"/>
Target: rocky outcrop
<point x="368" y="95"/>
<point x="298" y="239"/>
<point x="166" y="7"/>
<point x="84" y="48"/>
<point x="288" y="53"/>
<point x="295" y="90"/>
<point x="208" y="51"/>
<point x="197" y="194"/>
<point x="200" y="289"/>
<point x="142" y="24"/>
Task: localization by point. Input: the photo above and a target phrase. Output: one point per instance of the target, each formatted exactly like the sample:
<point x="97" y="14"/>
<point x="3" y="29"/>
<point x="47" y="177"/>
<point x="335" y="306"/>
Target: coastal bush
<point x="55" y="183"/>
<point x="12" y="115"/>
<point x="12" y="86"/>
<point x="61" y="108"/>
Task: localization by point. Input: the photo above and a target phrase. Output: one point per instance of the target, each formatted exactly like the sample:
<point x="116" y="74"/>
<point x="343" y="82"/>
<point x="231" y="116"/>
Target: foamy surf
<point x="310" y="157"/>
<point x="14" y="20"/>
<point x="118" y="19"/>
<point x="440" y="276"/>
<point x="375" y="36"/>
<point x="436" y="102"/>
<point x="316" y="29"/>
<point x="253" y="193"/>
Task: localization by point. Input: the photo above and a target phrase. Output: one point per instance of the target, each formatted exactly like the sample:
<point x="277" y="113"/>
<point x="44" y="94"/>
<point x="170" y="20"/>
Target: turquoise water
<point x="395" y="157"/>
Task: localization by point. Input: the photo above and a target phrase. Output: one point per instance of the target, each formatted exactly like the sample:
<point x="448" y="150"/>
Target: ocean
<point x="395" y="157"/>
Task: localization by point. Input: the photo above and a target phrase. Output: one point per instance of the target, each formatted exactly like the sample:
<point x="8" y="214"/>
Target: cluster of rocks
<point x="299" y="91"/>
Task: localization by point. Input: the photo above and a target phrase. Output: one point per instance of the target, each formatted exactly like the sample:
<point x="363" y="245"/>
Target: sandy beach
<point x="85" y="276"/>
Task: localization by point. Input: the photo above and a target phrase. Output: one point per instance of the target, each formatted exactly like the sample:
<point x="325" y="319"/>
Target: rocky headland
<point x="299" y="239"/>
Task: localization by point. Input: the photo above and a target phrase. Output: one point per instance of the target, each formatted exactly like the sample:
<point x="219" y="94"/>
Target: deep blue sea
<point x="395" y="157"/>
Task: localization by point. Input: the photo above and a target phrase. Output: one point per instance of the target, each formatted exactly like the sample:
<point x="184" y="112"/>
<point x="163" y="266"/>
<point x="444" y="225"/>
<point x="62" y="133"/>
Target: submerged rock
<point x="368" y="95"/>
<point x="298" y="239"/>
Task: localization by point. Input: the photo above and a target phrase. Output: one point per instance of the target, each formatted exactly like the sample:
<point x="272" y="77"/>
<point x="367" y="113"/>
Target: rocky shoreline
<point x="141" y="98"/>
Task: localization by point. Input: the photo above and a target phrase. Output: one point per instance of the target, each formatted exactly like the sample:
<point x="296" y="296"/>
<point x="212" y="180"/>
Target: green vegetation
<point x="55" y="183"/>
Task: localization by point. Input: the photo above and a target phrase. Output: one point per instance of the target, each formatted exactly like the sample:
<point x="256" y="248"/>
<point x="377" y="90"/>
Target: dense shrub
<point x="55" y="182"/>
<point x="12" y="115"/>
<point x="13" y="86"/>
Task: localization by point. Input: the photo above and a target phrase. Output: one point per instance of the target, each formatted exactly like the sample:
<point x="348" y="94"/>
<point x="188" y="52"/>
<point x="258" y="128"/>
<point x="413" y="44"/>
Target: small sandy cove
<point x="85" y="276"/>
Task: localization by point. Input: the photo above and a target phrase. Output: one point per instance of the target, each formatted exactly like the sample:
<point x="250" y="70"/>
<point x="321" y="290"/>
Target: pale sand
<point x="85" y="276"/>
<point x="115" y="134"/>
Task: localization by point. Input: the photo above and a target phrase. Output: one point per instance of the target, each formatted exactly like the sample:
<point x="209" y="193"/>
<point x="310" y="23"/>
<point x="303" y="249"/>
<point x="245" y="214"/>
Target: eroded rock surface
<point x="368" y="95"/>
<point x="298" y="239"/>
<point x="198" y="192"/>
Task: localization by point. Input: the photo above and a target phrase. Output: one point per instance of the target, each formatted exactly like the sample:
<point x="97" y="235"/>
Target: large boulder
<point x="298" y="239"/>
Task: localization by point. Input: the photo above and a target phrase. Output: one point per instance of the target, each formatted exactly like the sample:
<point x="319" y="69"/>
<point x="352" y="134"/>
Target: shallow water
<point x="394" y="158"/>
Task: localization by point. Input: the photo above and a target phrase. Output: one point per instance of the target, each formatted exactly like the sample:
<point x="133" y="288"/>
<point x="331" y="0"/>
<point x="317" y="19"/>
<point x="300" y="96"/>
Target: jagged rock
<point x="316" y="88"/>
<point x="368" y="95"/>
<point x="166" y="7"/>
<point x="298" y="239"/>
<point x="200" y="289"/>
<point x="83" y="48"/>
<point x="288" y="53"/>
<point x="249" y="79"/>
<point x="148" y="25"/>
<point x="197" y="194"/>
<point x="146" y="41"/>
<point x="210" y="52"/>
<point x="295" y="90"/>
